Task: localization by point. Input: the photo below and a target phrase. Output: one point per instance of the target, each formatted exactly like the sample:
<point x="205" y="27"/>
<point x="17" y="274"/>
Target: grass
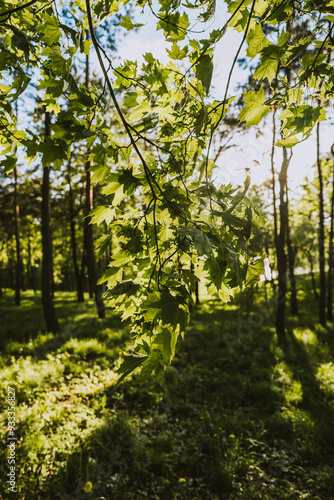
<point x="236" y="415"/>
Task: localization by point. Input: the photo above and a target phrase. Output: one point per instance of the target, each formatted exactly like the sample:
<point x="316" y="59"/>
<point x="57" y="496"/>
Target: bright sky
<point x="252" y="149"/>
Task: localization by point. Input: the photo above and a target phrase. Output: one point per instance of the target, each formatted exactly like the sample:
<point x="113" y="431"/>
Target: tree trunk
<point x="274" y="181"/>
<point x="47" y="302"/>
<point x="291" y="257"/>
<point x="314" y="287"/>
<point x="89" y="248"/>
<point x="321" y="240"/>
<point x="83" y="266"/>
<point x="330" y="252"/>
<point x="78" y="275"/>
<point x="281" y="255"/>
<point x="88" y="232"/>
<point x="18" y="267"/>
<point x="108" y="253"/>
<point x="53" y="288"/>
<point x="31" y="280"/>
<point x="10" y="254"/>
<point x="273" y="184"/>
<point x="1" y="280"/>
<point x="266" y="247"/>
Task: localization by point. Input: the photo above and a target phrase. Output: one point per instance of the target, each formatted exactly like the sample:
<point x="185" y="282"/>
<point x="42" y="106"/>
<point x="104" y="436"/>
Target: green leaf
<point x="257" y="41"/>
<point x="128" y="24"/>
<point x="76" y="36"/>
<point x="49" y="29"/>
<point x="129" y="364"/>
<point x="102" y="213"/>
<point x="174" y="26"/>
<point x="102" y="245"/>
<point x="200" y="239"/>
<point x="86" y="47"/>
<point x="19" y="40"/>
<point x="206" y="168"/>
<point x="52" y="106"/>
<point x="270" y="58"/>
<point x="255" y="109"/>
<point x="8" y="163"/>
<point x="154" y="362"/>
<point x="288" y="142"/>
<point x="54" y="151"/>
<point x="254" y="270"/>
<point x="240" y="19"/>
<point x="202" y="120"/>
<point x="171" y="312"/>
<point x="204" y="69"/>
<point x="166" y="342"/>
<point x="225" y="293"/>
<point x="210" y="12"/>
<point x="124" y="288"/>
<point x="176" y="53"/>
<point x="72" y="84"/>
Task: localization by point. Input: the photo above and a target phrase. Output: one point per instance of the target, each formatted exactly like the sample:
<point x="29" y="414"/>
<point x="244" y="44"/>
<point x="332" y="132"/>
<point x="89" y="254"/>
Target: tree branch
<point x="8" y="13"/>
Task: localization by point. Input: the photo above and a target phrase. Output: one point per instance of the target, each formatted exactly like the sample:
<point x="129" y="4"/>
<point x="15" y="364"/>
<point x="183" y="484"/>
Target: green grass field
<point x="236" y="416"/>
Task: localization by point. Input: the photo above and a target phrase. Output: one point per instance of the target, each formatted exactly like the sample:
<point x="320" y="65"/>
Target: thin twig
<point x="207" y="48"/>
<point x="226" y="93"/>
<point x="112" y="93"/>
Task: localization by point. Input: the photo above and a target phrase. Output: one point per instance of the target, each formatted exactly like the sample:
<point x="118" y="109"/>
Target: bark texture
<point x="47" y="302"/>
<point x="281" y="255"/>
<point x="321" y="238"/>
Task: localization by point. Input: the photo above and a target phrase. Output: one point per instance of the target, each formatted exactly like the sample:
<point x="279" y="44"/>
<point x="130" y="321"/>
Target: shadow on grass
<point x="314" y="399"/>
<point x="190" y="434"/>
<point x="22" y="325"/>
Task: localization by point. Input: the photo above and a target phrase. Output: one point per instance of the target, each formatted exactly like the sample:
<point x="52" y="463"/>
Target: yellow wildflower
<point x="88" y="487"/>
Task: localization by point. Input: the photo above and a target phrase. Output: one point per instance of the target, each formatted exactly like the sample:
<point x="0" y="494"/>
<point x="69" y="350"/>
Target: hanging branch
<point x="113" y="97"/>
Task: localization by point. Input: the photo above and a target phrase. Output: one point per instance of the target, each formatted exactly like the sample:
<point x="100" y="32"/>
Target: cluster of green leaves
<point x="283" y="49"/>
<point x="152" y="155"/>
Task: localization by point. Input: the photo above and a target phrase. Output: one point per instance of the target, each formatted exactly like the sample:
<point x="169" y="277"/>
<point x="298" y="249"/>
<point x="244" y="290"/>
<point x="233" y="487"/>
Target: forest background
<point x="125" y="184"/>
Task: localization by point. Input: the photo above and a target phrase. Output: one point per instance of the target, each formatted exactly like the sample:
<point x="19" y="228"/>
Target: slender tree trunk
<point x="266" y="247"/>
<point x="52" y="266"/>
<point x="47" y="302"/>
<point x="10" y="267"/>
<point x="89" y="248"/>
<point x="83" y="266"/>
<point x="108" y="253"/>
<point x="18" y="268"/>
<point x="273" y="181"/>
<point x="291" y="258"/>
<point x="1" y="293"/>
<point x="321" y="240"/>
<point x="197" y="293"/>
<point x="31" y="281"/>
<point x="273" y="184"/>
<point x="78" y="275"/>
<point x="88" y="232"/>
<point x="314" y="287"/>
<point x="32" y="267"/>
<point x="330" y="252"/>
<point x="281" y="255"/>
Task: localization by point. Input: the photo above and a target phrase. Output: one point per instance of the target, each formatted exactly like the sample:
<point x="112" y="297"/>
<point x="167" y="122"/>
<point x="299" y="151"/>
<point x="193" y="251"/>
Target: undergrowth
<point x="236" y="416"/>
